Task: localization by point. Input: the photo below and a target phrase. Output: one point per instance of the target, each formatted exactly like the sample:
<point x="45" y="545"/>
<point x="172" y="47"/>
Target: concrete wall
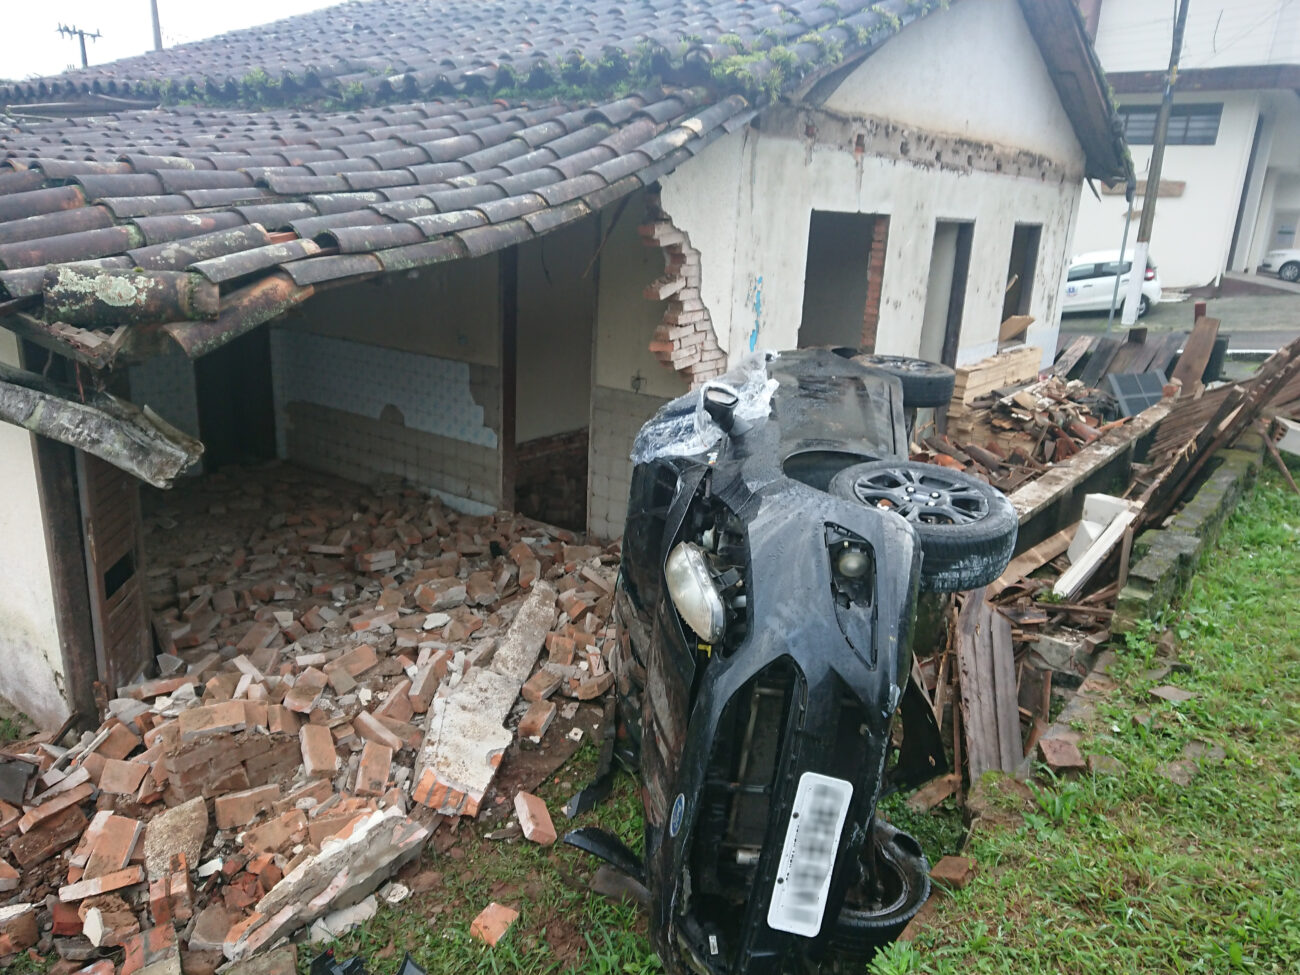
<point x="995" y="148"/>
<point x="31" y="658"/>
<point x="628" y="382"/>
<point x="1192" y="232"/>
<point x="398" y="376"/>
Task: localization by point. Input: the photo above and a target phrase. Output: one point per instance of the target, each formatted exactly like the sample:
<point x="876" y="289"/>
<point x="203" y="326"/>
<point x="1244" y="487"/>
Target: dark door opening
<point x="1020" y="270"/>
<point x="842" y="279"/>
<point x="946" y="291"/>
<point x="236" y="408"/>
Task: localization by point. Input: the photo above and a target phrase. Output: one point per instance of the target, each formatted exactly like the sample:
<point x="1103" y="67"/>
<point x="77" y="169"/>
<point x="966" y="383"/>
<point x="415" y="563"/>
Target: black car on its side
<point x="776" y="540"/>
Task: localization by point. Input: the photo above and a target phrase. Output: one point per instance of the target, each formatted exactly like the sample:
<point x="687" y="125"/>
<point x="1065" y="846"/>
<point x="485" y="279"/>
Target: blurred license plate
<point x="812" y="838"/>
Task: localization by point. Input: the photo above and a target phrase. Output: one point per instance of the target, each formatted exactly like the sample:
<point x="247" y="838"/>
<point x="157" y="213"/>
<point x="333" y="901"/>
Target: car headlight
<point x="694" y="593"/>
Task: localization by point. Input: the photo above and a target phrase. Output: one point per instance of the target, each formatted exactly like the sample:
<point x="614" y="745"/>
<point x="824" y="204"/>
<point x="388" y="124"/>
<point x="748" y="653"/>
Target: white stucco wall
<point x="31" y="661"/>
<point x="1192" y="232"/>
<point x="972" y="72"/>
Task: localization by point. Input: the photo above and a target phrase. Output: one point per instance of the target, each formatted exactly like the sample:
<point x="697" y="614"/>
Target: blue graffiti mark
<point x="757" y="291"/>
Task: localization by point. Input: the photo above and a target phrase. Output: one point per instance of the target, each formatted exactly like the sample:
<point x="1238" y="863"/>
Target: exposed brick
<point x="120" y="777"/>
<point x="372" y="773"/>
<point x="275" y="834"/>
<point x="534" y="819"/>
<point x="369" y="727"/>
<point x="101" y="885"/>
<point x="493" y="922"/>
<point x="537" y="719"/>
<point x="236" y="809"/>
<point x="318" y="755"/>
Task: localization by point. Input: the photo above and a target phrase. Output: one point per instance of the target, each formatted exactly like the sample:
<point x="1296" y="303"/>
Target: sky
<point x="33" y="47"/>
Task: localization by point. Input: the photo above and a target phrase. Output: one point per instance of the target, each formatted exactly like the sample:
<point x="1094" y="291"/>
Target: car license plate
<point x="812" y="838"/>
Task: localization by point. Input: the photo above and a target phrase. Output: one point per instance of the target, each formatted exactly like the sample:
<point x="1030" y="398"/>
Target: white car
<point x="1090" y="283"/>
<point x="1285" y="264"/>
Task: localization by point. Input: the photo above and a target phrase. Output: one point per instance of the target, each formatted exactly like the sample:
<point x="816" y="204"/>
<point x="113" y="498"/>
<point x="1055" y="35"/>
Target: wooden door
<point x="110" y="522"/>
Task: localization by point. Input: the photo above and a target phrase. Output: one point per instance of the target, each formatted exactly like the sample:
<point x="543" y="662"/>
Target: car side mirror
<point x="720" y="403"/>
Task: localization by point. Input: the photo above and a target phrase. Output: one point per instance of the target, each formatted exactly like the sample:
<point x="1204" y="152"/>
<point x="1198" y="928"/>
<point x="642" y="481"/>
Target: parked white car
<point x="1285" y="264"/>
<point x="1090" y="283"/>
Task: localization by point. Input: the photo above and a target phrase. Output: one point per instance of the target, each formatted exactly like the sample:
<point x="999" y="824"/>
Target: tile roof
<point x="229" y="195"/>
<point x="389" y="49"/>
<point x="266" y="205"/>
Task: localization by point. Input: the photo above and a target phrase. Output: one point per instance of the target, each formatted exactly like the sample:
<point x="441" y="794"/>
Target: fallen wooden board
<point x="1099" y="362"/>
<point x="1075" y="351"/>
<point x="933" y="792"/>
<point x="1032" y="559"/>
<point x="1191" y="364"/>
<point x="990" y="713"/>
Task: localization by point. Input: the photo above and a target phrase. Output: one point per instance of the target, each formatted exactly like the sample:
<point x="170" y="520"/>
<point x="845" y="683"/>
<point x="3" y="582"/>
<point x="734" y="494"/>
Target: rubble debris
<point x="315" y="639"/>
<point x="954" y="872"/>
<point x="534" y="819"/>
<point x="493" y="922"/>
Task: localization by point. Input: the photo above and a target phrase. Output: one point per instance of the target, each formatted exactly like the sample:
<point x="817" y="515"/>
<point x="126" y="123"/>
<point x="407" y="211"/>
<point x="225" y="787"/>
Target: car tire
<point x="857" y="933"/>
<point x="1290" y="271"/>
<point x="925" y="384"/>
<point x="965" y="543"/>
<point x="1144" y="306"/>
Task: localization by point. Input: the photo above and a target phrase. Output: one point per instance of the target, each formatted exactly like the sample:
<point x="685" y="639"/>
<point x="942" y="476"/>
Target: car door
<point x="1105" y="287"/>
<point x="1080" y="291"/>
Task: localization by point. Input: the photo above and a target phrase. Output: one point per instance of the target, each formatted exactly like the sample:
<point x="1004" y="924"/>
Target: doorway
<point x="842" y="279"/>
<point x="236" y="408"/>
<point x="945" y="293"/>
<point x="1020" y="270"/>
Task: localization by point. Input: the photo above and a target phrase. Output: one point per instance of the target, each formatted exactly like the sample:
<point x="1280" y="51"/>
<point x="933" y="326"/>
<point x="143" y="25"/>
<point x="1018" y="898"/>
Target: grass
<point x="1130" y="872"/>
<point x="562" y="926"/>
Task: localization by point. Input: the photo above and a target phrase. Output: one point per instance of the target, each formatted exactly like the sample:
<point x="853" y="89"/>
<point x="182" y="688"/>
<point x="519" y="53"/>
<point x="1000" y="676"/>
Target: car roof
<point x="1100" y="257"/>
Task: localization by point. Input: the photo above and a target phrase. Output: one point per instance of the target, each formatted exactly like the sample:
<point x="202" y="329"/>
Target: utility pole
<point x="1139" y="267"/>
<point x="157" y="28"/>
<point x="81" y="35"/>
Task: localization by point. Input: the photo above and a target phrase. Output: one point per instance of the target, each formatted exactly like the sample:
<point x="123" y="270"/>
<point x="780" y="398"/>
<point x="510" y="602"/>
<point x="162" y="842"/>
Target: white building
<point x="1230" y="188"/>
<point x="900" y="176"/>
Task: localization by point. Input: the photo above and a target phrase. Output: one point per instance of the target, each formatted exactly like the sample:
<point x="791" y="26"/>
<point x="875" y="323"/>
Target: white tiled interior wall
<point x="434" y="395"/>
<point x="616" y="416"/>
<point x="166" y="385"/>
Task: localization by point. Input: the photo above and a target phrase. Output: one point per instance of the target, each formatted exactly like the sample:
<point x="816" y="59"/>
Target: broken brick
<point x="120" y="777"/>
<point x="372" y="773"/>
<point x="493" y="922"/>
<point x="537" y="719"/>
<point x="236" y="809"/>
<point x="318" y="755"/>
<point x="534" y="819"/>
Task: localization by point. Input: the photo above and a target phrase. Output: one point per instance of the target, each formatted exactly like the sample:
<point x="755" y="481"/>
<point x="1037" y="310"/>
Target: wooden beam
<point x="1032" y="559"/>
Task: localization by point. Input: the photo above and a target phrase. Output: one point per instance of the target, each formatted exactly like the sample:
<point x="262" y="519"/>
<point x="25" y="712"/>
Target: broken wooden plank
<point x="1196" y="353"/>
<point x="1102" y="355"/>
<point x="1076" y="350"/>
<point x="934" y="792"/>
<point x="114" y="430"/>
<point x="988" y="686"/>
<point x="1006" y="707"/>
<point x="1032" y="559"/>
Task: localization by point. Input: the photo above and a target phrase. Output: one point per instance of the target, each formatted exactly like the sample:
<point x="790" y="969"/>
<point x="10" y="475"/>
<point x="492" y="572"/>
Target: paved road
<point x="1254" y="321"/>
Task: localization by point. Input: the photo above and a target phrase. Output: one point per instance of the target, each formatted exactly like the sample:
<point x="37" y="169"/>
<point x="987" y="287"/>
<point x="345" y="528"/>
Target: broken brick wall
<point x="629" y="382"/>
<point x="551" y="479"/>
<point x="684" y="340"/>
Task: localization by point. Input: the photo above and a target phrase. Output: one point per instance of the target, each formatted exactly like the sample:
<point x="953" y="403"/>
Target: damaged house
<point x="474" y="246"/>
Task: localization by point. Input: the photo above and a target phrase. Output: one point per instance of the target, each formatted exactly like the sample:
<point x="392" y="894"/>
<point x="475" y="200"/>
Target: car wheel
<point x="871" y="919"/>
<point x="1144" y="306"/>
<point x="925" y="384"/>
<point x="966" y="528"/>
<point x="1290" y="271"/>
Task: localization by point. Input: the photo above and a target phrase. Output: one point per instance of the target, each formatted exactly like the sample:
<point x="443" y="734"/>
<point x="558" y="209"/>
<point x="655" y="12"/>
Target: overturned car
<point x="776" y="540"/>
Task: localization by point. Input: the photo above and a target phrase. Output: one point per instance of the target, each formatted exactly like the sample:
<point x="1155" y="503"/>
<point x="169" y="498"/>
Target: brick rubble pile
<point x="328" y="689"/>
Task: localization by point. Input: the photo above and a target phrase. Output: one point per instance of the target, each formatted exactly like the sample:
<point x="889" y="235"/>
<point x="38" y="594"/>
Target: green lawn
<point x="1130" y="872"/>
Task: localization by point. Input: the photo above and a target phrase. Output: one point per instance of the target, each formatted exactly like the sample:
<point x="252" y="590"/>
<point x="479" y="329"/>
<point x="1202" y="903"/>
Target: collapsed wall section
<point x="685" y="339"/>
